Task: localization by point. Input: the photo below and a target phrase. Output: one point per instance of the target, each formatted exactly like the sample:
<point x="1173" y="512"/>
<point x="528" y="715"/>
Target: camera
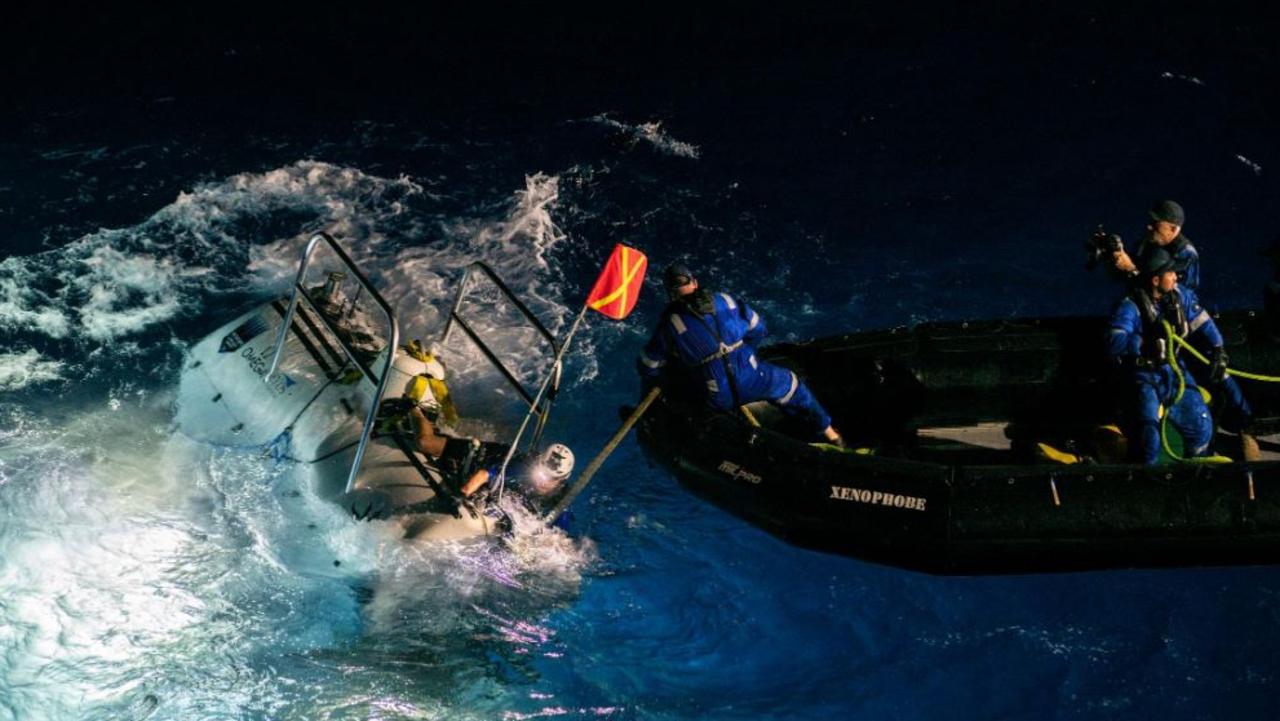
<point x="1100" y="247"/>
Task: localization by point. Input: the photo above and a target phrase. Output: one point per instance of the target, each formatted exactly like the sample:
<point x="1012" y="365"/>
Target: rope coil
<point x="1172" y="358"/>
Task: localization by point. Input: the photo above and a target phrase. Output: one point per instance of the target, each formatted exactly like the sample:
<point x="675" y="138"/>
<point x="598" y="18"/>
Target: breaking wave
<point x="242" y="237"/>
<point x="19" y="370"/>
<point x="651" y="134"/>
<point x="119" y="282"/>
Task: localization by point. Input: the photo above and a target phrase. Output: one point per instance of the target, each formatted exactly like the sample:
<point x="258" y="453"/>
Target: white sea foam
<point x="517" y="244"/>
<point x="139" y="570"/>
<point x="652" y="134"/>
<point x="1184" y="78"/>
<point x="533" y="565"/>
<point x="19" y="370"/>
<point x="25" y="307"/>
<point x="1255" y="167"/>
<point x="126" y="292"/>
<point x="117" y="282"/>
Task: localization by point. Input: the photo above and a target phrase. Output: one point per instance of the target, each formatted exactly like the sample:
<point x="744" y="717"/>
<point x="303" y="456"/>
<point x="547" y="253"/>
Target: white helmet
<point x="558" y="460"/>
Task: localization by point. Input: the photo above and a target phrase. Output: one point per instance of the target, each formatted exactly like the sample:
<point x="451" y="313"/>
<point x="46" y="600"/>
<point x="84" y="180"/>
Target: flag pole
<point x="625" y="296"/>
<point x="537" y="399"/>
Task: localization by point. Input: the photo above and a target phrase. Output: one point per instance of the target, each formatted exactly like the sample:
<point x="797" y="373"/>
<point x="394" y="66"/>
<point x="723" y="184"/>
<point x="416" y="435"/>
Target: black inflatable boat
<point x="949" y="481"/>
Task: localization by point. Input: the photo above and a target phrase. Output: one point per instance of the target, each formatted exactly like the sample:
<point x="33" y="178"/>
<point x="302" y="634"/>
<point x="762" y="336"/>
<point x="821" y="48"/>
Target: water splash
<point x="651" y="134"/>
<point x="140" y="565"/>
<point x="517" y="244"/>
<point x="19" y="370"/>
<point x="1255" y="167"/>
<point x="1184" y="78"/>
<point x="119" y="282"/>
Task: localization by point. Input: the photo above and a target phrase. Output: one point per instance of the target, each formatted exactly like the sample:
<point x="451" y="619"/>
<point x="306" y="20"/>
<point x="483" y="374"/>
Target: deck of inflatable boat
<point x="992" y="441"/>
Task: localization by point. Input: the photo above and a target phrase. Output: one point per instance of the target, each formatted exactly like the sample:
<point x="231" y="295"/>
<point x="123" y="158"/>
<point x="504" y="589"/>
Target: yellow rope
<point x="1200" y="357"/>
<point x="1172" y="358"/>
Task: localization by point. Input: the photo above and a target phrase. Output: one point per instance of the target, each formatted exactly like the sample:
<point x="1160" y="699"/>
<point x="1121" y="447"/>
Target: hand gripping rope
<point x="1171" y="357"/>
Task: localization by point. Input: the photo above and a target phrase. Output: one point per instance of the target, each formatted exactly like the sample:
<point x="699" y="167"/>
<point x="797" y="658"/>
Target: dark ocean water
<point x="839" y="168"/>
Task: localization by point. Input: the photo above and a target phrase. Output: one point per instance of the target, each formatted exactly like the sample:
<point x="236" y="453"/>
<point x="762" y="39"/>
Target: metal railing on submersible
<point x="456" y="320"/>
<point x="392" y="337"/>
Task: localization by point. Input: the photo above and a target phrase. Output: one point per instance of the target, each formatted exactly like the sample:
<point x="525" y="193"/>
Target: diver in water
<point x="711" y="338"/>
<point x="537" y="475"/>
<point x="473" y="468"/>
<point x="422" y="405"/>
<point x="1136" y="344"/>
<point x="456" y="457"/>
<point x="468" y="467"/>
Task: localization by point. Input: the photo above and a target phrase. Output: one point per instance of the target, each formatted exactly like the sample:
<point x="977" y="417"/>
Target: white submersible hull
<point x="312" y="405"/>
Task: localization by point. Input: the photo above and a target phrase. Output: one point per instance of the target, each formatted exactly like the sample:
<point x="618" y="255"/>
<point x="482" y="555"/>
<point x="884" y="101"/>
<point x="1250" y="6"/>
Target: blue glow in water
<point x="146" y="576"/>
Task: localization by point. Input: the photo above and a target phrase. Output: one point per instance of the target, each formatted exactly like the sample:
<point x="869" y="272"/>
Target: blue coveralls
<point x="1234" y="413"/>
<point x="1135" y="329"/>
<point x="717" y="353"/>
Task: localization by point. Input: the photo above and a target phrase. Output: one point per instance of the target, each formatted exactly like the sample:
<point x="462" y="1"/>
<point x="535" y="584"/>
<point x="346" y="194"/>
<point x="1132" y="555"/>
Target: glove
<point x="1218" y="369"/>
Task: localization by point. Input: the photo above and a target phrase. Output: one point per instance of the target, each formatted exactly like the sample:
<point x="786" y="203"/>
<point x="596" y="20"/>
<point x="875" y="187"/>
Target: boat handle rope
<point x="1200" y="357"/>
<point x="1172" y="358"/>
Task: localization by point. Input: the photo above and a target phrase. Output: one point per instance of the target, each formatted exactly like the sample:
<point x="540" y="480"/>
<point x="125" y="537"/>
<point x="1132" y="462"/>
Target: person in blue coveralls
<point x="1136" y="343"/>
<point x="1165" y="231"/>
<point x="710" y="337"/>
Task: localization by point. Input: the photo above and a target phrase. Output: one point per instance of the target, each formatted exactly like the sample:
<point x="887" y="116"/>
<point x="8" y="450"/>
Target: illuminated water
<point x="866" y="185"/>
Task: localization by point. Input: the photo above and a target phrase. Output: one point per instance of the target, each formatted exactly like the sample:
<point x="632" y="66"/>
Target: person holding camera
<point x="1163" y="231"/>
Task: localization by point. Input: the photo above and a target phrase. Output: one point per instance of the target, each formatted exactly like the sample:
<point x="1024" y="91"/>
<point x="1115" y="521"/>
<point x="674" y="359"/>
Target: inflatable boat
<point x="978" y="452"/>
<point x="304" y="378"/>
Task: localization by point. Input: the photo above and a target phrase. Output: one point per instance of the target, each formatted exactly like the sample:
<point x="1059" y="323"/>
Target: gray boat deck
<point x="991" y="436"/>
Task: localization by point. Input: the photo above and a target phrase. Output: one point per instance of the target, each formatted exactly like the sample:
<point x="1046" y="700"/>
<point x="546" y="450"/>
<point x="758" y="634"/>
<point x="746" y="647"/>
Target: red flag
<point x="619" y="283"/>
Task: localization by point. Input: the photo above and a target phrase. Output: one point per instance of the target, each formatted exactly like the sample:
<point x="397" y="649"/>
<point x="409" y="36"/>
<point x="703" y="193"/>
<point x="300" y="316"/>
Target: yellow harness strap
<point x="415" y="350"/>
<point x="441" y="391"/>
<point x="420" y="384"/>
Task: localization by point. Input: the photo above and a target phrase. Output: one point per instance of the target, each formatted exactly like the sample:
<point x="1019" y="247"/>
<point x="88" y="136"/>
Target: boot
<point x="1249" y="450"/>
<point x="832" y="436"/>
